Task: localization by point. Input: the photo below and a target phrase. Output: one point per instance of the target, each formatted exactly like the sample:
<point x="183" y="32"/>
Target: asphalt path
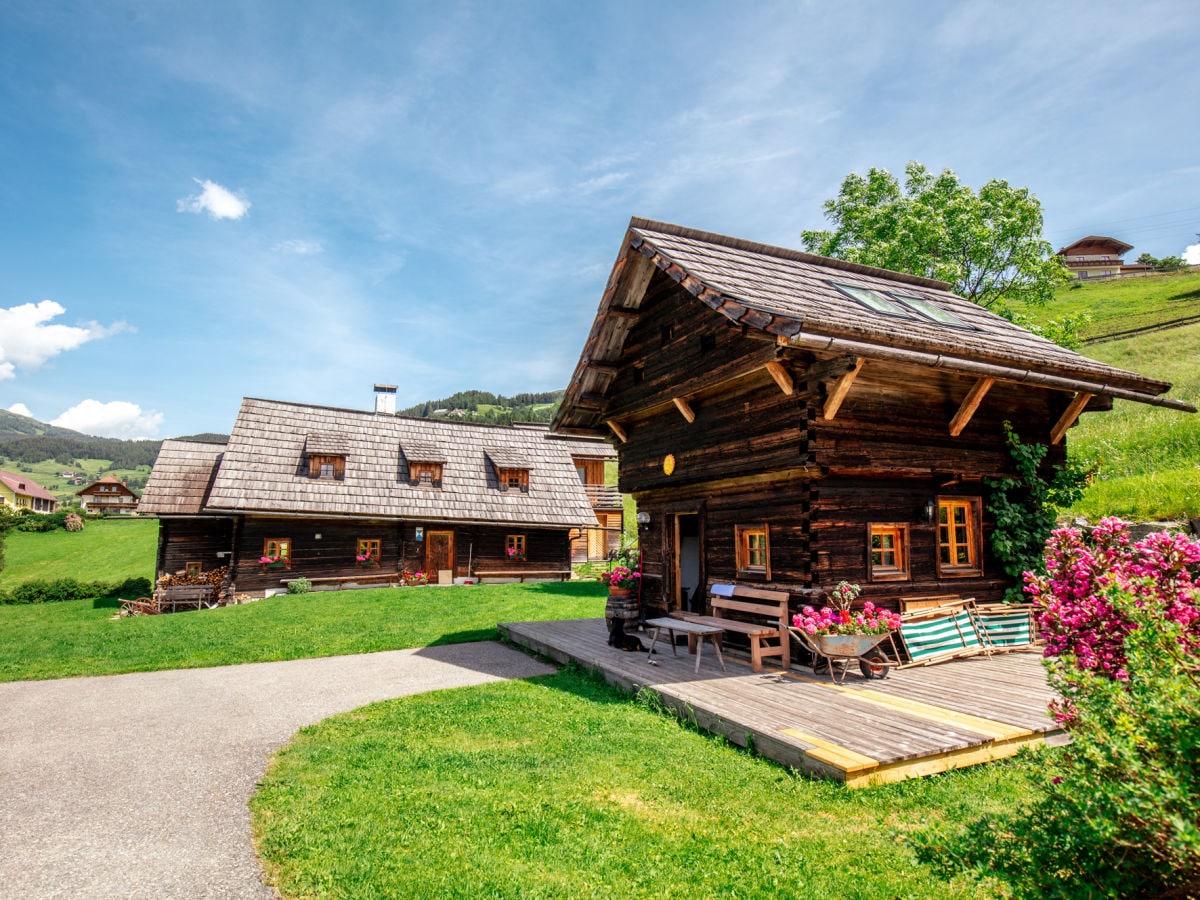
<point x="135" y="786"/>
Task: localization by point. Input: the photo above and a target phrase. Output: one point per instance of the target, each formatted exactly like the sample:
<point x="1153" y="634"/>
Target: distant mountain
<point x="206" y="437"/>
<point x="14" y="426"/>
<point x="483" y="406"/>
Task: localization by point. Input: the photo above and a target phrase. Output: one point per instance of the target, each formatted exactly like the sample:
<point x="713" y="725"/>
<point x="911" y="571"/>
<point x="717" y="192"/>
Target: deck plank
<point x="919" y="721"/>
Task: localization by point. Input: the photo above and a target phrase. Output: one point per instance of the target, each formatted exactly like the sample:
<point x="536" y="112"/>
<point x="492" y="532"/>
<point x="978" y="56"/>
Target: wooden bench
<point x="522" y="574"/>
<point x="769" y="606"/>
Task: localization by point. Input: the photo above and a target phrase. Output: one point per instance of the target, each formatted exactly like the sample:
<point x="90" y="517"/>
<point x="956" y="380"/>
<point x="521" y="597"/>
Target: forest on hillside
<point x="494" y="409"/>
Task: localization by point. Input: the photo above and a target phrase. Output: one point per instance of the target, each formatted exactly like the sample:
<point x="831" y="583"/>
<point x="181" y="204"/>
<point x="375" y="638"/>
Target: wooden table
<point x="700" y="631"/>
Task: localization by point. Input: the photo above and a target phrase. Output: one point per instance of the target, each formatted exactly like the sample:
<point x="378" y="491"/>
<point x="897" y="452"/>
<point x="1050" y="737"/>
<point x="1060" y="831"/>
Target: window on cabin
<point x="192" y="568"/>
<point x="753" y="550"/>
<point x="888" y="560"/>
<point x="277" y="551"/>
<point x="960" y="542"/>
<point x="514" y="480"/>
<point x="367" y="553"/>
<point x="708" y="343"/>
<point x="666" y="335"/>
<point x="872" y="300"/>
<point x="514" y="546"/>
<point x="425" y="474"/>
<point x="326" y="466"/>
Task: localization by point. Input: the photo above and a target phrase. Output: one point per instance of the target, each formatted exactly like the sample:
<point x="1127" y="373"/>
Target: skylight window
<point x="872" y="300"/>
<point x="929" y="310"/>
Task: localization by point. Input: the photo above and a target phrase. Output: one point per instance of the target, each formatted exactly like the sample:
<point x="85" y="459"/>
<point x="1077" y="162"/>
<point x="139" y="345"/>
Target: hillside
<point x="13" y="426"/>
<point x="496" y="409"/>
<point x="1147" y="460"/>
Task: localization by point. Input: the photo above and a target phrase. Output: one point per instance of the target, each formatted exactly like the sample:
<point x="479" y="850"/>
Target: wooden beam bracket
<point x="782" y="377"/>
<point x="685" y="409"/>
<point x="837" y="394"/>
<point x="616" y="429"/>
<point x="1069" y="416"/>
<point x="970" y="404"/>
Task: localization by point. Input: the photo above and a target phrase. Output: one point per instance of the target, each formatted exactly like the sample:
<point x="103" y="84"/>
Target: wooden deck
<point x="918" y="721"/>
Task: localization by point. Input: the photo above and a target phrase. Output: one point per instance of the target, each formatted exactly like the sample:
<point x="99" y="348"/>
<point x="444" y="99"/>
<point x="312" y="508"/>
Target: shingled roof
<point x="263" y="469"/>
<point x="179" y="482"/>
<point x="791" y="296"/>
<point x="23" y="486"/>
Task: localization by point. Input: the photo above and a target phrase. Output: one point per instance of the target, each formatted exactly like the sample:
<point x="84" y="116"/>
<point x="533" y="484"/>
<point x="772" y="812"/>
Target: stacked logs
<point x="214" y="577"/>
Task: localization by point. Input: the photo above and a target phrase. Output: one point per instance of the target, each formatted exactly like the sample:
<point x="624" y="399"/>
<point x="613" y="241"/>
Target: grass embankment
<point x="1147" y="459"/>
<point x="106" y="550"/>
<point x="561" y="787"/>
<point x="57" y="640"/>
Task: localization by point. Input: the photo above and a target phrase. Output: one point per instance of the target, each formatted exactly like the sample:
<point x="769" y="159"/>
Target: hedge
<point x="64" y="589"/>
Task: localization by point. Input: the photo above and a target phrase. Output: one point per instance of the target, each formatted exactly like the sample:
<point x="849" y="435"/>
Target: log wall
<point x="181" y="541"/>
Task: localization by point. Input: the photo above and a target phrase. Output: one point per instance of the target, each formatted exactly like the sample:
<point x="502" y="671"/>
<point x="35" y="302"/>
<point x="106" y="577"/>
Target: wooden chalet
<point x="108" y="496"/>
<point x="792" y="420"/>
<point x="345" y="496"/>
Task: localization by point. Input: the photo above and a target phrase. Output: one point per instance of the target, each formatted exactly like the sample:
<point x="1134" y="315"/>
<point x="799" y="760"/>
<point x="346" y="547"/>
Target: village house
<point x="1096" y="256"/>
<point x="19" y="492"/>
<point x="789" y="420"/>
<point x="344" y="496"/>
<point x="108" y="496"/>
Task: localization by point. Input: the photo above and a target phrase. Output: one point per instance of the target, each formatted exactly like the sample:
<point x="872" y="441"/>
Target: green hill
<point x="1147" y="460"/>
<point x="496" y="409"/>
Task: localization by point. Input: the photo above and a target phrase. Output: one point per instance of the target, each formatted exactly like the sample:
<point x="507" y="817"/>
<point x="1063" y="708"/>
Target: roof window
<point x="930" y="310"/>
<point x="873" y="300"/>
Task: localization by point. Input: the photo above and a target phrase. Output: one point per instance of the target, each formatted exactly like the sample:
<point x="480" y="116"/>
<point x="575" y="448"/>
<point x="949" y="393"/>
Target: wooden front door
<point x="439" y="553"/>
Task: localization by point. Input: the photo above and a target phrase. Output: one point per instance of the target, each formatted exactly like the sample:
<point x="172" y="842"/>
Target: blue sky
<point x="291" y="200"/>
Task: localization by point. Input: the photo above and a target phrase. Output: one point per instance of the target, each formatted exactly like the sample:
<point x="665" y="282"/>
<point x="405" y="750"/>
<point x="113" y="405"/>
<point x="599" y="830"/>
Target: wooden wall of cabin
<point x="484" y="548"/>
<point x="320" y="548"/>
<point x="182" y="541"/>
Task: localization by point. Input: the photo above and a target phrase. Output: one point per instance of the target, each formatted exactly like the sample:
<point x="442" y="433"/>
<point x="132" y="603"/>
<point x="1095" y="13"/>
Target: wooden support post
<point x="617" y="430"/>
<point x="782" y="377"/>
<point x="970" y="404"/>
<point x="684" y="409"/>
<point x="840" y="389"/>
<point x="1068" y="418"/>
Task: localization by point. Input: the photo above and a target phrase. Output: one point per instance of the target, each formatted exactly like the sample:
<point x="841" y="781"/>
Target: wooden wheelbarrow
<point x="843" y="649"/>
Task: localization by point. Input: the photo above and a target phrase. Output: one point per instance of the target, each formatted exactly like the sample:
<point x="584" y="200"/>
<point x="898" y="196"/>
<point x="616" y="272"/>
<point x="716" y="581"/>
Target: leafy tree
<point x="988" y="245"/>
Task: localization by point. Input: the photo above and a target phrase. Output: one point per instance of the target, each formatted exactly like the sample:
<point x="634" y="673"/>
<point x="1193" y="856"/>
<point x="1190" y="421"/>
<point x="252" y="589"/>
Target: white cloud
<point x="217" y="201"/>
<point x="27" y="341"/>
<point x="299" y="247"/>
<point x="21" y="410"/>
<point x="1191" y="254"/>
<point x="116" y="419"/>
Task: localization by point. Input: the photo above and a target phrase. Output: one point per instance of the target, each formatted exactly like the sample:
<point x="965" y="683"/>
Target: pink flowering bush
<point x="1119" y="815"/>
<point x="841" y="619"/>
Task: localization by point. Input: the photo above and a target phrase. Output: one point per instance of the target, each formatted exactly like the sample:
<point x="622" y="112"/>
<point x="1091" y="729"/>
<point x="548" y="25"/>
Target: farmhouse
<point x="19" y="492"/>
<point x="788" y="419"/>
<point x="344" y="496"/>
<point x="108" y="496"/>
<point x="1096" y="256"/>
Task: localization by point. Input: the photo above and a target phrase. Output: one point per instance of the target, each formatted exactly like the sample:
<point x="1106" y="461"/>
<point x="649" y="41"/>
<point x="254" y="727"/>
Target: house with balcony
<point x="19" y="492"/>
<point x="1096" y="257"/>
<point x="108" y="496"/>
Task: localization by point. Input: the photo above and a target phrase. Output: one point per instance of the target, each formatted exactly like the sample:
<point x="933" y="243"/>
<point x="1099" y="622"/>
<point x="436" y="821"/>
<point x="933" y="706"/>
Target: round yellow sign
<point x="669" y="463"/>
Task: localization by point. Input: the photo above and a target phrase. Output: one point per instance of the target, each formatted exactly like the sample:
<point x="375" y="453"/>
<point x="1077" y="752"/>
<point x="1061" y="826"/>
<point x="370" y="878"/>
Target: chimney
<point x="385" y="399"/>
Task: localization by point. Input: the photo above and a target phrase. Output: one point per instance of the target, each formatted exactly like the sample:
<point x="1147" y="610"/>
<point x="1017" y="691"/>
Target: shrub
<point x="299" y="585"/>
<point x="73" y="522"/>
<point x="1119" y="814"/>
<point x="65" y="589"/>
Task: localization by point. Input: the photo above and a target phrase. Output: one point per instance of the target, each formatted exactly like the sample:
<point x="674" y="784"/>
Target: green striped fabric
<point x="1006" y="629"/>
<point x="941" y="636"/>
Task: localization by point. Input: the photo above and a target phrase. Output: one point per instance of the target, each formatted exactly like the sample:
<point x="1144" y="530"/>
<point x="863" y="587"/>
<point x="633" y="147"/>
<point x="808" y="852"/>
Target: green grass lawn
<point x="57" y="640"/>
<point x="561" y="787"/>
<point x="106" y="550"/>
<point x="46" y="473"/>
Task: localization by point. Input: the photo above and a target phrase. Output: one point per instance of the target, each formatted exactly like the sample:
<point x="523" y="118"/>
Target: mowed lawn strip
<point x="106" y="550"/>
<point x="561" y="786"/>
<point x="56" y="640"/>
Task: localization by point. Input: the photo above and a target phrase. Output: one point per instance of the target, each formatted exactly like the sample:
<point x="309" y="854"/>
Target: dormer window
<point x="425" y="464"/>
<point x="327" y="453"/>
<point x="512" y="469"/>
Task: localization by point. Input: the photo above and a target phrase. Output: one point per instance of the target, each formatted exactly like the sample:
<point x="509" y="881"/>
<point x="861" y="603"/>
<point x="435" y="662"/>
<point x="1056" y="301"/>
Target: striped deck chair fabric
<point x="941" y="637"/>
<point x="1004" y="628"/>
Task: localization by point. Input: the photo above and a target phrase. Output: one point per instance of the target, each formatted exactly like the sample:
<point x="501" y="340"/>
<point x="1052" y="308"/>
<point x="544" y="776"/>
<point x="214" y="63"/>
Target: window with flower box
<point x="514" y="546"/>
<point x="753" y="550"/>
<point x="960" y="537"/>
<point x="192" y="568"/>
<point x="368" y="552"/>
<point x="888" y="558"/>
<point x="277" y="553"/>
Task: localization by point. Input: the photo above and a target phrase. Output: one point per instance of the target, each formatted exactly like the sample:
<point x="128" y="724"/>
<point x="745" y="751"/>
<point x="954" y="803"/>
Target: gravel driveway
<point x="135" y="786"/>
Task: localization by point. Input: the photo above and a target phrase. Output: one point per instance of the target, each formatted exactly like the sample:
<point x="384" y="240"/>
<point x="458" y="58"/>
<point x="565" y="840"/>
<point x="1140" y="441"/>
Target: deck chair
<point x="933" y="635"/>
<point x="1005" y="626"/>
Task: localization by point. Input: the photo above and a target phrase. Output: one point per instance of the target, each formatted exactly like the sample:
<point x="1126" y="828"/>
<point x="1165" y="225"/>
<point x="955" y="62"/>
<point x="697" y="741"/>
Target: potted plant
<point x="273" y="562"/>
<point x="622" y="580"/>
<point x="366" y="559"/>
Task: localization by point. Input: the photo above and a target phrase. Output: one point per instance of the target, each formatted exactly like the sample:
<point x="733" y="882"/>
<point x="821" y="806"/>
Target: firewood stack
<point x="214" y="577"/>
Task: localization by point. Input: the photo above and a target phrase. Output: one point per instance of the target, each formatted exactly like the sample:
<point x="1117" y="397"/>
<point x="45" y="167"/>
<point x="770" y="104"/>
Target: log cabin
<point x="790" y="420"/>
<point x="344" y="497"/>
